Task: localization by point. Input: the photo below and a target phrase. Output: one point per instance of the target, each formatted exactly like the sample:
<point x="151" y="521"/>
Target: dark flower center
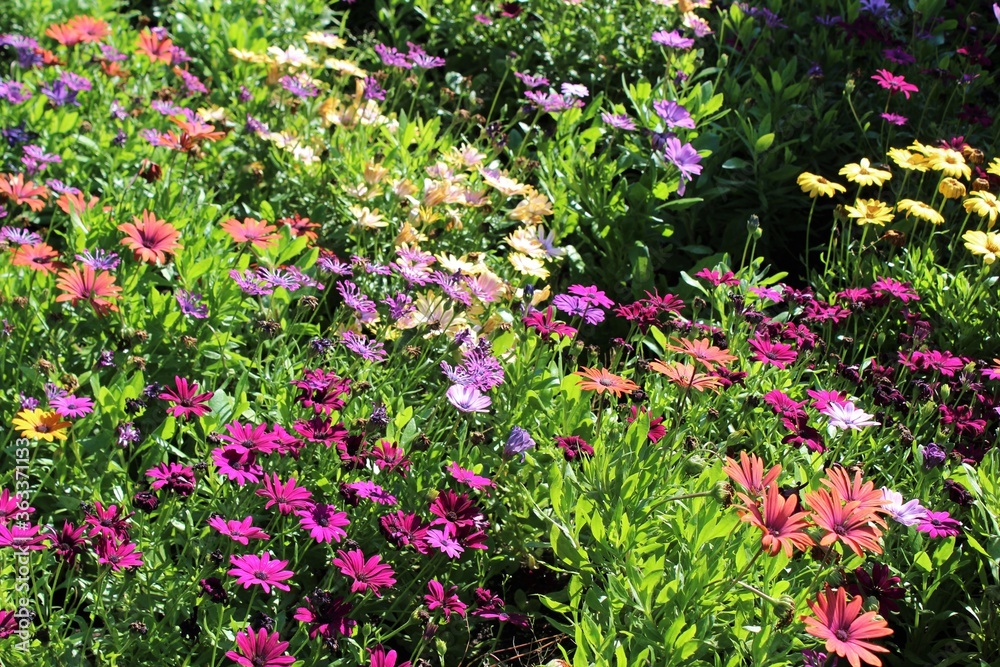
<point x="42" y="428"/>
<point x="841" y="635"/>
<point x="260" y="574"/>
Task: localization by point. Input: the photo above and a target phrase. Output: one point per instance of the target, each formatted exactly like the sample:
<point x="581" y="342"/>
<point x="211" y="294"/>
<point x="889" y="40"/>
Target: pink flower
<point x="324" y="523"/>
<point x="72" y="406"/>
<point x="444" y="541"/>
<point x="893" y="83"/>
<point x="250" y="438"/>
<point x="118" y="556"/>
<point x="174" y="476"/>
<point x="446" y="601"/>
<point x="368" y="575"/>
<point x="469" y="478"/>
<point x="186" y="399"/>
<point x="774" y="354"/>
<point x="261" y="570"/>
<point x="238" y="464"/>
<point x="467" y="398"/>
<point x="286" y="495"/>
<point x="260" y="650"/>
<point x="379" y="658"/>
<point x="240" y="531"/>
<point x="939" y="524"/>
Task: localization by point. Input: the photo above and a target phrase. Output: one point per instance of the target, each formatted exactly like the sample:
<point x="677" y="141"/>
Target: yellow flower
<point x="814" y="185"/>
<point x="248" y="56"/>
<point x="865" y="174"/>
<point x="870" y="212"/>
<point x="907" y="160"/>
<point x="525" y="241"/>
<point x="326" y="39"/>
<point x="528" y="266"/>
<point x="949" y="162"/>
<point x="367" y="218"/>
<point x="920" y="210"/>
<point x="39" y="424"/>
<point x="345" y="67"/>
<point x="984" y="204"/>
<point x="951" y="189"/>
<point x="994" y="167"/>
<point x="986" y="244"/>
<point x="503" y="183"/>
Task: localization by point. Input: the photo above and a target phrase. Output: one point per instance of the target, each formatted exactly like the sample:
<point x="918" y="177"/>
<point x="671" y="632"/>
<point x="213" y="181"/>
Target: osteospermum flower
<point x="260" y="649"/>
<point x="816" y="186"/>
<point x="601" y="380"/>
<point x="949" y="162"/>
<point x="72" y="407"/>
<point x="257" y="233"/>
<point x="239" y="531"/>
<point x="151" y="238"/>
<point x="749" y="473"/>
<point x="863" y="173"/>
<point x="263" y="571"/>
<point x="951" y="189"/>
<point x="984" y="204"/>
<point x="913" y="161"/>
<point x="781" y="526"/>
<point x="849" y="523"/>
<point x="845" y="629"/>
<point x="17" y="191"/>
<point x="939" y="524"/>
<point x="84" y="284"/>
<point x="894" y="83"/>
<point x="686" y="376"/>
<point x="39" y="257"/>
<point x="986" y="244"/>
<point x="186" y="400"/>
<point x="467" y="398"/>
<point x="870" y="212"/>
<point x="381" y="658"/>
<point x="846" y="416"/>
<point x="919" y="209"/>
<point x="41" y="424"/>
<point x="286" y="495"/>
<point x="324" y="522"/>
<point x="367" y="574"/>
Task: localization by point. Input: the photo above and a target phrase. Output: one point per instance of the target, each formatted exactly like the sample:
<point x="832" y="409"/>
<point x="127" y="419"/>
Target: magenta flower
<point x="402" y="530"/>
<point x="444" y="540"/>
<point x="260" y="650"/>
<point x="186" y="399"/>
<point x="286" y="495"/>
<point x="108" y="523"/>
<point x="445" y="600"/>
<point x="326" y="615"/>
<point x="672" y="39"/>
<point x="367" y="575"/>
<point x="72" y="407"/>
<point x="69" y="542"/>
<point x="894" y="118"/>
<point x="469" y="478"/>
<point x="23" y="537"/>
<point x="939" y="524"/>
<point x="685" y="158"/>
<point x="893" y="83"/>
<point x="261" y="570"/>
<point x="456" y="510"/>
<point x="379" y="658"/>
<point x="174" y="477"/>
<point x="237" y="464"/>
<point x="368" y="490"/>
<point x="774" y="354"/>
<point x="324" y="523"/>
<point x="240" y="531"/>
<point x="118" y="556"/>
<point x="248" y="438"/>
<point x="10" y="506"/>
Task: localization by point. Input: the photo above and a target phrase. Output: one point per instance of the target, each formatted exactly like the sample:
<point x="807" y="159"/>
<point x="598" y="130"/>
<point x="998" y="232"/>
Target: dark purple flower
<point x="933" y="455"/>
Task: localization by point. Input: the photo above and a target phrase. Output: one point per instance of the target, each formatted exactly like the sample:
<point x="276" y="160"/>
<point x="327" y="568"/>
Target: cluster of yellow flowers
<point x="953" y="167"/>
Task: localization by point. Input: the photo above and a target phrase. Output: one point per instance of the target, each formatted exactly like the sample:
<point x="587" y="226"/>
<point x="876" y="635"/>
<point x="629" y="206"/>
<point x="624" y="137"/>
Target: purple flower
<point x="672" y="39"/>
<point x="518" y="442"/>
<point x="299" y="86"/>
<point x="933" y="455"/>
<point x="467" y="398"/>
<point x="75" y="81"/>
<point x="939" y="524"/>
<point x="191" y="305"/>
<point x="894" y="118"/>
<point x="111" y="54"/>
<point x="359" y="344"/>
<point x="99" y="260"/>
<point x="192" y="84"/>
<point x="619" y="121"/>
<point x="685" y="158"/>
<point x="532" y="81"/>
<point x="673" y="114"/>
<point x="35" y="159"/>
<point x="19" y="236"/>
<point x="549" y="102"/>
<point x="574" y="90"/>
<point x="420" y="59"/>
<point x="14" y="92"/>
<point x="128" y="434"/>
<point x="899" y="56"/>
<point x="392" y="57"/>
<point x="60" y="94"/>
<point x="909" y="513"/>
<point x="373" y="89"/>
<point x="579" y="307"/>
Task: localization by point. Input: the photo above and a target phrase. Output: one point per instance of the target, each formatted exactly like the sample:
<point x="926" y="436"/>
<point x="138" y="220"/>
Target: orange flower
<point x="255" y="232"/>
<point x="64" y="33"/>
<point x="749" y="473"/>
<point x="685" y="376"/>
<point x="845" y="631"/>
<point x="867" y="496"/>
<point x="89" y="29"/>
<point x="196" y="130"/>
<point x="781" y="526"/>
<point x="600" y="380"/>
<point x="150" y="238"/>
<point x="13" y="187"/>
<point x="703" y="352"/>
<point x="848" y="522"/>
<point x="75" y="203"/>
<point x="154" y="48"/>
<point x="37" y="258"/>
<point x="84" y="284"/>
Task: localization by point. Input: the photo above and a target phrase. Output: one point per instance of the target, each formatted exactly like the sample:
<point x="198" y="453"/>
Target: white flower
<point x="846" y="416"/>
<point x="908" y="514"/>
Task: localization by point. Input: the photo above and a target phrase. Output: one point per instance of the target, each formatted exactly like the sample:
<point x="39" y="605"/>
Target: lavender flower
<point x="14" y="92"/>
<point x="672" y="39"/>
<point x="685" y="158"/>
<point x="59" y="94"/>
<point x="468" y="398"/>
<point x="518" y="442"/>
<point x="907" y="514"/>
<point x="191" y="305"/>
<point x="532" y="81"/>
<point x="359" y="344"/>
<point x="99" y="260"/>
<point x="933" y="455"/>
<point x="619" y="121"/>
<point x="373" y="89"/>
<point x="673" y="114"/>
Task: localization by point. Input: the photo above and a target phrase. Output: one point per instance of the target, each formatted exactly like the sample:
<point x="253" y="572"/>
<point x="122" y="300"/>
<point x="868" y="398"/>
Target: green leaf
<point x="923" y="561"/>
<point x="764" y="142"/>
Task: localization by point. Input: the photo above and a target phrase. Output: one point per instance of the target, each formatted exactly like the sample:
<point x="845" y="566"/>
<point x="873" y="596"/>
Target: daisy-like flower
<point x="939" y="524"/>
<point x="686" y="376"/>
<point x="326" y="615"/>
<point x="263" y="571"/>
<point x="909" y="513"/>
<point x="38" y="257"/>
<point x="191" y="304"/>
<point x="239" y="531"/>
<point x="601" y="380"/>
<point x="186" y="400"/>
<point x="863" y="173"/>
<point x="781" y="526"/>
<point x="845" y="629"/>
<point x="119" y="556"/>
<point x="865" y="493"/>
<point x="984" y="204"/>
<point x="986" y="244"/>
<point x="949" y="162"/>
<point x="951" y="189"/>
<point x="919" y="209"/>
<point x="41" y="424"/>
<point x="894" y="83"/>
<point x="879" y="585"/>
<point x="446" y="600"/>
<point x="913" y="161"/>
<point x="173" y="477"/>
<point x="870" y="212"/>
<point x="17" y="191"/>
<point x="469" y="478"/>
<point x="779" y="355"/>
<point x="846" y="416"/>
<point x="749" y="473"/>
<point x="367" y="574"/>
<point x="849" y="523"/>
<point x="237" y="464"/>
<point x="260" y="649"/>
<point x="151" y="238"/>
<point x="444" y="540"/>
<point x="257" y="233"/>
<point x="816" y="186"/>
<point x="72" y="407"/>
<point x="702" y="351"/>
<point x="381" y="658"/>
<point x="324" y="523"/>
<point x="84" y="284"/>
<point x="286" y="495"/>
